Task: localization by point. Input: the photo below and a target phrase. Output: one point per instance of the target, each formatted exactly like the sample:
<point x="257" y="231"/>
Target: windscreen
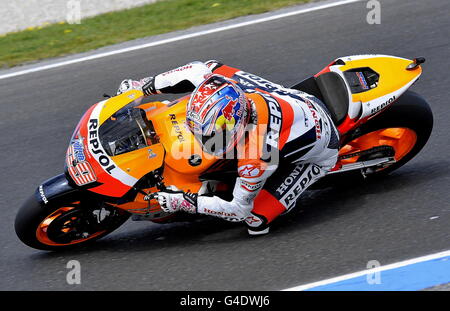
<point x="127" y="130"/>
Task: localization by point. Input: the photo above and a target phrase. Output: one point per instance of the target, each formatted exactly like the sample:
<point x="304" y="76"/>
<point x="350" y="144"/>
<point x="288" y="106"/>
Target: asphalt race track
<point x="337" y="231"/>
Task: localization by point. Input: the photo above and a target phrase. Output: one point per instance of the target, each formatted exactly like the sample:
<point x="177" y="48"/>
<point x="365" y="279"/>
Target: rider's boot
<point x="256" y="225"/>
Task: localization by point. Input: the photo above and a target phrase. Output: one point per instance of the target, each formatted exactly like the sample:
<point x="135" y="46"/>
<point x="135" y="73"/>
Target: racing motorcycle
<point x="124" y="150"/>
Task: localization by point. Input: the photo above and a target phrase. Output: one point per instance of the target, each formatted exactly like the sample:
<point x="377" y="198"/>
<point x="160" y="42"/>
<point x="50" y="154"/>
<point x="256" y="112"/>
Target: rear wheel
<point x="404" y="127"/>
<point x="67" y="225"/>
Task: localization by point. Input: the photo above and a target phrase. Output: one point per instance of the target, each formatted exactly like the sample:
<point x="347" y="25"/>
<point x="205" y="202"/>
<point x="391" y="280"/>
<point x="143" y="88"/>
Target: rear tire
<point x="410" y="111"/>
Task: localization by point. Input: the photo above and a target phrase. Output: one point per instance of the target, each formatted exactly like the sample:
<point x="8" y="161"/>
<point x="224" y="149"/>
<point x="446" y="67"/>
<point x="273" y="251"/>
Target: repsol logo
<point x="270" y="150"/>
<point x="176" y="127"/>
<point x="274" y="130"/>
<point x="96" y="149"/>
<point x="296" y="183"/>
<point x="383" y="105"/>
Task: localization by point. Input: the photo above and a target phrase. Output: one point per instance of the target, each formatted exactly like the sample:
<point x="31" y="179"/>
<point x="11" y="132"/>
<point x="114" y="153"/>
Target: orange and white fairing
<point x="89" y="164"/>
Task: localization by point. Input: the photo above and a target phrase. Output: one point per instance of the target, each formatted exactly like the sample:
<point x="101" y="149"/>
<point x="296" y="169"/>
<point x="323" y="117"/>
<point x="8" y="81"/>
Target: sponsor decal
<point x="151" y="154"/>
<point x="288" y="181"/>
<point x="94" y="150"/>
<point x="97" y="150"/>
<point x="274" y="126"/>
<point x="362" y="80"/>
<point x="249" y="82"/>
<point x="316" y="119"/>
<point x="253" y="221"/>
<point x="383" y="105"/>
<point x="42" y="194"/>
<point x="245" y="84"/>
<point x="251" y="187"/>
<point x="228" y="110"/>
<point x="78" y="150"/>
<point x="182" y="68"/>
<point x="192" y="115"/>
<point x="217" y="213"/>
<point x="296" y="183"/>
<point x="176" y="127"/>
<point x="79" y="169"/>
<point x="195" y="160"/>
<point x="249" y="171"/>
<point x="82" y="173"/>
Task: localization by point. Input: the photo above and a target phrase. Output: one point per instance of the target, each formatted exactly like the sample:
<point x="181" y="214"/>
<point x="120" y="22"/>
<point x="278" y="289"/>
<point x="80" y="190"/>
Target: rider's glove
<point x="173" y="201"/>
<point x="129" y="84"/>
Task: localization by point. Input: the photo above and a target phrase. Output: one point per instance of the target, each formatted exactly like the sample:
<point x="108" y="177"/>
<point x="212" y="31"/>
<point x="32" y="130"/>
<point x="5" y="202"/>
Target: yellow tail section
<point x="395" y="76"/>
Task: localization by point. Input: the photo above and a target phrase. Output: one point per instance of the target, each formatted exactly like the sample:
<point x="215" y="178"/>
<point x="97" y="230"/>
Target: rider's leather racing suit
<point x="293" y="142"/>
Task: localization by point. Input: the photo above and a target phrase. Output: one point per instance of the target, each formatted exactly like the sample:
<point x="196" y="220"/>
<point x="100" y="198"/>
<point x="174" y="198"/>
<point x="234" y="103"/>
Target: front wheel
<point x="66" y="225"/>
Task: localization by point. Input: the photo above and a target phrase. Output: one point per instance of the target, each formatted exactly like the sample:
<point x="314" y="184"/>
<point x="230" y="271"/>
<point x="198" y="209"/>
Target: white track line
<point x="178" y="38"/>
<point x="370" y="271"/>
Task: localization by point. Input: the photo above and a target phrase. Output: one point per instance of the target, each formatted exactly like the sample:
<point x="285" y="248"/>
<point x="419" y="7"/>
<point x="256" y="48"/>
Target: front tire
<point x="67" y="224"/>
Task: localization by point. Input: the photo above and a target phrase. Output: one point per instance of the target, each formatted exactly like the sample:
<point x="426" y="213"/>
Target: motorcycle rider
<point x="284" y="139"/>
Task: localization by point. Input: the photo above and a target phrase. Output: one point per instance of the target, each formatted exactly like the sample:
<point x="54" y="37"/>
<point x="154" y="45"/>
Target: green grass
<point x="110" y="28"/>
